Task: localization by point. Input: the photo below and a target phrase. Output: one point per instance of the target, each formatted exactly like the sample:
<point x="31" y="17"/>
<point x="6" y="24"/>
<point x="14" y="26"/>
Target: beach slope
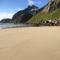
<point x="32" y="43"/>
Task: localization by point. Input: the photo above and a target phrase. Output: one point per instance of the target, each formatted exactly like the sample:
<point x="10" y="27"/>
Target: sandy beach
<point x="30" y="43"/>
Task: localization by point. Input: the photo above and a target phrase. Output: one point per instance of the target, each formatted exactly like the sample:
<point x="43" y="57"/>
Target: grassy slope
<point x="43" y="16"/>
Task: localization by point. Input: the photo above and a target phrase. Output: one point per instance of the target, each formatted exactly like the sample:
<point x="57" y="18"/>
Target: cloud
<point x="5" y="15"/>
<point x="9" y="13"/>
<point x="30" y="2"/>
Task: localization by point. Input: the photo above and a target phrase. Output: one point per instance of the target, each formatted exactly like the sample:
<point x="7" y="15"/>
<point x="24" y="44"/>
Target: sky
<point x="9" y="7"/>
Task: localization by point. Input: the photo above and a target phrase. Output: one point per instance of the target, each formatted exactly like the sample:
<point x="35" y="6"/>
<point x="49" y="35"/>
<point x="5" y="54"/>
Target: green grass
<point x="43" y="16"/>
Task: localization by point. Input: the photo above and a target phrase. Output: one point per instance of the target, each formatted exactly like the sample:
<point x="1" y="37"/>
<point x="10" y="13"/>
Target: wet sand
<point x="32" y="43"/>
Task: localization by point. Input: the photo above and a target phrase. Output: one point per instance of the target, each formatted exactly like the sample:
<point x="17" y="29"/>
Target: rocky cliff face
<point x="52" y="5"/>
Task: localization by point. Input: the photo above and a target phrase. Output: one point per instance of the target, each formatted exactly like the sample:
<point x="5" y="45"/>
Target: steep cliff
<point x="51" y="6"/>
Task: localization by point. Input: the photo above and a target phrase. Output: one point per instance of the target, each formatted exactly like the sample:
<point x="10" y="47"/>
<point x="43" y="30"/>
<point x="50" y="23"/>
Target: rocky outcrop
<point x="51" y="6"/>
<point x="54" y="4"/>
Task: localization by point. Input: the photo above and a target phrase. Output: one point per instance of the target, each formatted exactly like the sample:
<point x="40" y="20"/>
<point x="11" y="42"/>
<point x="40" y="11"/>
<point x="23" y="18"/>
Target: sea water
<point x="10" y="25"/>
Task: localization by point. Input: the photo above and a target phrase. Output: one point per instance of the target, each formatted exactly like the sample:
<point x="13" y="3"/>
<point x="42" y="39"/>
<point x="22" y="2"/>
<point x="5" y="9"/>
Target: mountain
<point x="24" y="15"/>
<point x="7" y="20"/>
<point x="52" y="5"/>
<point x="50" y="11"/>
<point x="33" y="15"/>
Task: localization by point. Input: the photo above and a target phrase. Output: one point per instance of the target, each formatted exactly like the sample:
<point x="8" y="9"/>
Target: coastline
<point x="30" y="43"/>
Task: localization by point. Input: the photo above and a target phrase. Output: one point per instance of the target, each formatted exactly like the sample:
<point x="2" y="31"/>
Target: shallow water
<point x="10" y="25"/>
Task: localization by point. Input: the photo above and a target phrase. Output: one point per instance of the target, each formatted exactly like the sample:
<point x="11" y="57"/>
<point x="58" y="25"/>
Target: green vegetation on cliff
<point x="44" y="16"/>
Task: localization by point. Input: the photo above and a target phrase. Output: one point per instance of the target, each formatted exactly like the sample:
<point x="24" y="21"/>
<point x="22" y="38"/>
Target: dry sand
<point x="32" y="43"/>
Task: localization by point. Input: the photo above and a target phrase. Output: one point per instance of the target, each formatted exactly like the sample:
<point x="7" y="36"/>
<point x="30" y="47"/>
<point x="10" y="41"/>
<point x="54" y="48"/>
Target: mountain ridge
<point x="50" y="11"/>
<point x="25" y="14"/>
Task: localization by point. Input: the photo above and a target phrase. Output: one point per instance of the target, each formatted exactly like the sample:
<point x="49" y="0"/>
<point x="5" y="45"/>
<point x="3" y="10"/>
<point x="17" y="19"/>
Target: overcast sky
<point x="9" y="7"/>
